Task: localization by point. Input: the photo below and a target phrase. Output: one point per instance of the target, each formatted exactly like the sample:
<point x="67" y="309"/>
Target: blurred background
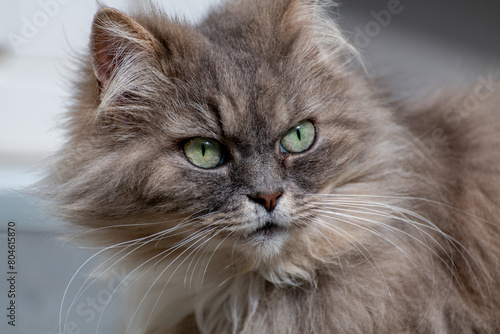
<point x="415" y="46"/>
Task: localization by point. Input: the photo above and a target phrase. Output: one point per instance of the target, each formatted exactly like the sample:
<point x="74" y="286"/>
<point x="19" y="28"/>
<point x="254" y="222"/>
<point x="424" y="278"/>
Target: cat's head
<point x="226" y="136"/>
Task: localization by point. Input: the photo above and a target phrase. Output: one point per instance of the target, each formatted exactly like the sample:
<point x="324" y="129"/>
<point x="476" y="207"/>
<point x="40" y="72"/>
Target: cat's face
<point x="231" y="136"/>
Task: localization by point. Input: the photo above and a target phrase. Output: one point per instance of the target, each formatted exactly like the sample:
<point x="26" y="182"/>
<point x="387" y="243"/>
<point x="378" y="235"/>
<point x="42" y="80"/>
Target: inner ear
<point x="116" y="41"/>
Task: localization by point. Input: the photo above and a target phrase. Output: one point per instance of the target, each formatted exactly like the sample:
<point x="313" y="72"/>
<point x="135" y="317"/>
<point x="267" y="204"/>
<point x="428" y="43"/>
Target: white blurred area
<point x="37" y="38"/>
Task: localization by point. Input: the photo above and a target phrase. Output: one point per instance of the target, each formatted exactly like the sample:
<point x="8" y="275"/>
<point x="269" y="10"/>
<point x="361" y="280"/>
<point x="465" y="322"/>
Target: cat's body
<point x="387" y="221"/>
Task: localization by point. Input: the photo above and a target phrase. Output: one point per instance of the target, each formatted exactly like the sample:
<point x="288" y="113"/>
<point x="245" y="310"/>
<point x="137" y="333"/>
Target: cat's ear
<point x="317" y="39"/>
<point x="116" y="40"/>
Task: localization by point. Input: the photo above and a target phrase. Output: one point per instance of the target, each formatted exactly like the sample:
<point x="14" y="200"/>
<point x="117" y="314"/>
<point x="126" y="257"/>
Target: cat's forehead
<point x="249" y="117"/>
<point x="240" y="97"/>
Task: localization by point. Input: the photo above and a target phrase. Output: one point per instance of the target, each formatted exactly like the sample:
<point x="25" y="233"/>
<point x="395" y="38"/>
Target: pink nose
<point x="267" y="201"/>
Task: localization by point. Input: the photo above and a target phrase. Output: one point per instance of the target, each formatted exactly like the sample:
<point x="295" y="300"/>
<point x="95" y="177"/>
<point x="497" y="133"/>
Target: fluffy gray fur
<point x="378" y="232"/>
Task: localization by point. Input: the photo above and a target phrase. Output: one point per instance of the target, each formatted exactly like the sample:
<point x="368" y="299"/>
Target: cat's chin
<point x="264" y="243"/>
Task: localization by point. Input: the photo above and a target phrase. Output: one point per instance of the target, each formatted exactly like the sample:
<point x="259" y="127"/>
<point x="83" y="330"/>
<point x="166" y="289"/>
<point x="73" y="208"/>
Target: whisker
<point x="342" y="232"/>
<point x="213" y="253"/>
<point x="78" y="271"/>
<point x="370" y="230"/>
<point x="126" y="244"/>
<point x="452" y="242"/>
<point x="407" y="198"/>
<point x="163" y="222"/>
<point x="158" y="277"/>
<point x="173" y="273"/>
<point x="413" y="223"/>
<point x="329" y="242"/>
<point x="163" y="255"/>
<point x="397" y="231"/>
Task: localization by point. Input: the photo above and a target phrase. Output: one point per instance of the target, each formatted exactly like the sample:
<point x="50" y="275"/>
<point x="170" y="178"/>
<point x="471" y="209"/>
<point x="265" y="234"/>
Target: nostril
<point x="266" y="200"/>
<point x="258" y="200"/>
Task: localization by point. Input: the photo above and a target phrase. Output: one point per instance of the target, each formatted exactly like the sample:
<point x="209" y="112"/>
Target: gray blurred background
<point x="415" y="46"/>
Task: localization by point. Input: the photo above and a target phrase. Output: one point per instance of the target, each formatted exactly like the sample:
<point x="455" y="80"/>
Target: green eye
<point x="299" y="138"/>
<point x="203" y="152"/>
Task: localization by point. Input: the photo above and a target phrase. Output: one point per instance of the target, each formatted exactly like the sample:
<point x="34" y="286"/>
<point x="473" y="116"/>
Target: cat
<point x="252" y="178"/>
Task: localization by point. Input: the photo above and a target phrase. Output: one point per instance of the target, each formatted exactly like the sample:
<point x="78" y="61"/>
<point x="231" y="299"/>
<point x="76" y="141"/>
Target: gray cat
<point x="253" y="180"/>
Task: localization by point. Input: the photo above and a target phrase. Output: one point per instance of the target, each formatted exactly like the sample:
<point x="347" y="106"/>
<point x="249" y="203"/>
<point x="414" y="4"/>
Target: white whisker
<point x="162" y="272"/>
<point x="329" y="242"/>
<point x="163" y="255"/>
<point x="342" y="232"/>
<point x="396" y="231"/>
<point x="173" y="273"/>
<point x="418" y="222"/>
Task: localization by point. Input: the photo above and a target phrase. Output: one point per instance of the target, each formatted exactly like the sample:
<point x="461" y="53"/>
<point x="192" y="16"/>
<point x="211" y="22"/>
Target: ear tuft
<point x="318" y="39"/>
<point x="115" y="39"/>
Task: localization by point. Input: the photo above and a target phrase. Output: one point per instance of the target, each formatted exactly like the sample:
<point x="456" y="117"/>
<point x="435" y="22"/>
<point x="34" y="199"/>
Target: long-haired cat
<point x="252" y="179"/>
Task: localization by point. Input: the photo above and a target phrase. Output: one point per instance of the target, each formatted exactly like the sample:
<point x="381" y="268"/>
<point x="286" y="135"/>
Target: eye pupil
<point x="203" y="149"/>
<point x="298" y="133"/>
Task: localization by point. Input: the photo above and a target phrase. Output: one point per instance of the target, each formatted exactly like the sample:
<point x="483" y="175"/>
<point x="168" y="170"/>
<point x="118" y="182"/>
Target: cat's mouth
<point x="267" y="231"/>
